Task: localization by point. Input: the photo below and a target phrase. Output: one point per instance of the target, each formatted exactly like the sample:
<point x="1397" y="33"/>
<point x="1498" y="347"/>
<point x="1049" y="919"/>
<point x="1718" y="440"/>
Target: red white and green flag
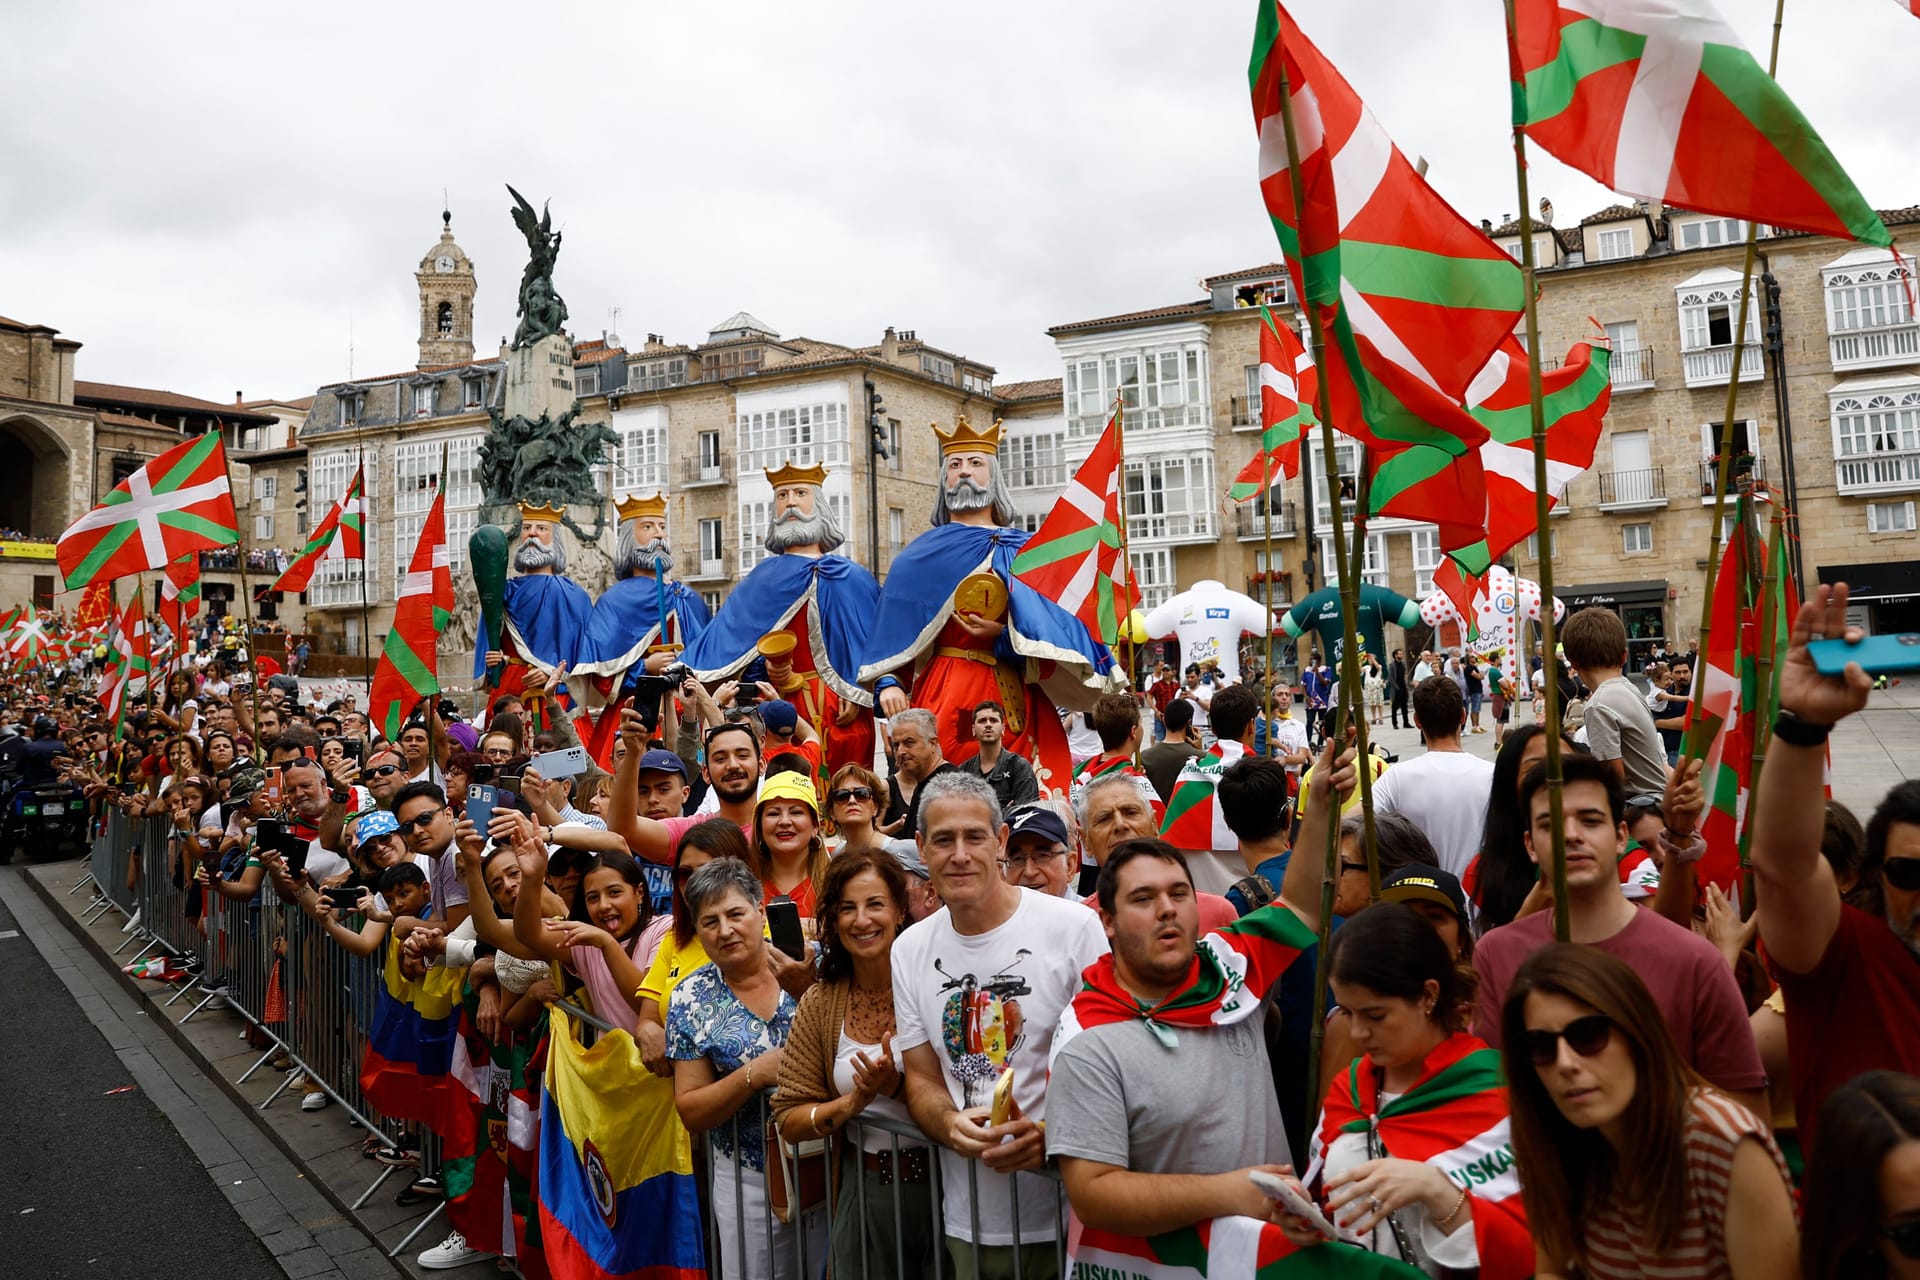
<point x="1911" y="6"/>
<point x="129" y="661"/>
<point x="176" y="504"/>
<point x="1412" y="299"/>
<point x="1720" y="730"/>
<point x="1659" y="99"/>
<point x="1074" y="558"/>
<point x="408" y="670"/>
<point x="29" y="637"/>
<point x="340" y="535"/>
<point x="180" y="593"/>
<point x="1223" y="1249"/>
<point x="1574" y="397"/>
<point x="1193" y="819"/>
<point x="1288" y="387"/>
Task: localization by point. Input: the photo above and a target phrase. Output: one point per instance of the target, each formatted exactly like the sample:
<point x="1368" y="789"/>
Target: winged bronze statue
<point x="541" y="309"/>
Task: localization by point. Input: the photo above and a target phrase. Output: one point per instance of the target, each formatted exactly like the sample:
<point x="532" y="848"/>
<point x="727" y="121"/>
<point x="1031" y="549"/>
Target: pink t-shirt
<point x="1684" y="972"/>
<point x="590" y="966"/>
<point x="677" y="827"/>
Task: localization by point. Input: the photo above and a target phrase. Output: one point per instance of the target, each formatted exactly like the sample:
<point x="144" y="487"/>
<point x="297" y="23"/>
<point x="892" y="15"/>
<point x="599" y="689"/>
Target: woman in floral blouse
<point x="727" y="1023"/>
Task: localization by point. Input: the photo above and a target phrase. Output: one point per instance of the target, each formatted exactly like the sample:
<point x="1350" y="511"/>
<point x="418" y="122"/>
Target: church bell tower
<point x="446" y="285"/>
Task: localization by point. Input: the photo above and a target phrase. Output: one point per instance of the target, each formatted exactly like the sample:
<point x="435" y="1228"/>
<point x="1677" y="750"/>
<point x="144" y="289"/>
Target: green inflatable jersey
<point x="1320" y="613"/>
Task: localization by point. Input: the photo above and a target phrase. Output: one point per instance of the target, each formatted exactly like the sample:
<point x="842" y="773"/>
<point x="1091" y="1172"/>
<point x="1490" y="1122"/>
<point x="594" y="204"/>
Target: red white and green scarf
<point x="1454" y="1118"/>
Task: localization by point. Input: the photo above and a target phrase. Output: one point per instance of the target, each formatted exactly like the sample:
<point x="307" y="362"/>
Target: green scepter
<point x="487" y="555"/>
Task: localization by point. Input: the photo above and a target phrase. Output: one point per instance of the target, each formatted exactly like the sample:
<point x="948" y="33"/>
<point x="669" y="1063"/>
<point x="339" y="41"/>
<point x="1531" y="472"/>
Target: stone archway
<point x="36" y="478"/>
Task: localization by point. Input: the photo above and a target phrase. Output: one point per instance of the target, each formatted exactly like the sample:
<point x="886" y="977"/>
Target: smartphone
<point x="1875" y="654"/>
<point x="345" y="898"/>
<point x="1281" y="1192"/>
<point x="1002" y="1109"/>
<point x="783" y="923"/>
<point x="276" y="784"/>
<point x="567" y="762"/>
<point x="481" y="799"/>
<point x="273" y="834"/>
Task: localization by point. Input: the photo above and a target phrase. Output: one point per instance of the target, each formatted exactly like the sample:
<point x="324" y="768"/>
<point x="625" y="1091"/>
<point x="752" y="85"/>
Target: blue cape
<point x="546" y="617"/>
<point x="918" y="599"/>
<point x="844" y="597"/>
<point x="626" y="621"/>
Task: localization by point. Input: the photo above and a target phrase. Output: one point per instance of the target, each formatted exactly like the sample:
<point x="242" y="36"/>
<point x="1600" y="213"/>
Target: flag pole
<point x="1267" y="487"/>
<point x="1126" y="560"/>
<point x="246" y="608"/>
<point x="1691" y="746"/>
<point x="366" y="537"/>
<point x="1543" y="532"/>
<point x="1350" y="688"/>
<point x="1760" y="717"/>
<point x="1349" y="593"/>
<point x="433" y="711"/>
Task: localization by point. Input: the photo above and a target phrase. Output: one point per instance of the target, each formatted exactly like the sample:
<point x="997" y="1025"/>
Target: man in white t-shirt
<point x="1200" y="694"/>
<point x="1443" y="792"/>
<point x="977" y="988"/>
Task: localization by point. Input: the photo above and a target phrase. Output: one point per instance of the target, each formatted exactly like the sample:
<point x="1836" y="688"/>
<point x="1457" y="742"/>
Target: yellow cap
<point x="788" y="786"/>
<point x="789" y="472"/>
<point x="634" y="508"/>
<point x="965" y="438"/>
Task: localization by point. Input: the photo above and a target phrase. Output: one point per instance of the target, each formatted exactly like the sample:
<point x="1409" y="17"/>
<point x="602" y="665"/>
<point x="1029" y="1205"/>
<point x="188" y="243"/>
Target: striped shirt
<point x="1616" y="1243"/>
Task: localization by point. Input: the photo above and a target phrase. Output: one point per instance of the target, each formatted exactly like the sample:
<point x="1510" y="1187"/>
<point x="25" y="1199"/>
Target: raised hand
<point x="1803" y="690"/>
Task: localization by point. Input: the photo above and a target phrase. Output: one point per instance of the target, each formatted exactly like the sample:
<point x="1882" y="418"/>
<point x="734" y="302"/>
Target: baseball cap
<point x="244" y="781"/>
<point x="1419" y="882"/>
<point x="661" y="760"/>
<point x="1036" y="820"/>
<point x="779" y="716"/>
<point x="909" y="862"/>
<point x="371" y="826"/>
<point x="788" y="786"/>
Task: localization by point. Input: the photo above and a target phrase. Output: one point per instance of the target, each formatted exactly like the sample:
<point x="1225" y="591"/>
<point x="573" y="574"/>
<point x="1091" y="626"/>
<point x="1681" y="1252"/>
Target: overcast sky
<point x="225" y="197"/>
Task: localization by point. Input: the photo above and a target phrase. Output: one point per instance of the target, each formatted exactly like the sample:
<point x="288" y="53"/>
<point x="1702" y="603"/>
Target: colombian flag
<point x="410" y="1049"/>
<point x="617" y="1194"/>
<point x="489" y="1159"/>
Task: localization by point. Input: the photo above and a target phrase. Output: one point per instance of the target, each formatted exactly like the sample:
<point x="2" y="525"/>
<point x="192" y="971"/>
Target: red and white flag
<point x="177" y="504"/>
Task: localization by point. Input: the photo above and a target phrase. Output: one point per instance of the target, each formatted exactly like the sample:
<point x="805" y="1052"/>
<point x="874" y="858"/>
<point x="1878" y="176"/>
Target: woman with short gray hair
<point x="727" y="1026"/>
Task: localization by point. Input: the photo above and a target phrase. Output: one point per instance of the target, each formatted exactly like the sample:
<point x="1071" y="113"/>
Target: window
<point x="1157" y="387"/>
<point x="1349" y="457"/>
<point x="586" y="382"/>
<point x="640" y="459"/>
<point x="336" y="583"/>
<point x="896" y="528"/>
<point x="656" y="375"/>
<point x="302" y="522"/>
<point x="1707" y="320"/>
<point x="1374" y="571"/>
<point x="473" y="392"/>
<point x="1871" y="298"/>
<point x="1426" y="559"/>
<point x="1035" y="461"/>
<point x="1028" y="520"/>
<point x="939" y="368"/>
<point x="263" y="529"/>
<point x="707" y="447"/>
<point x="1614" y="244"/>
<point x="1170" y="497"/>
<point x="713" y="544"/>
<point x="445" y="322"/>
<point x="1153" y="575"/>
<point x="1744" y="443"/>
<point x="1876" y="439"/>
<point x="1533" y="545"/>
<point x="348" y="403"/>
<point x="265" y="489"/>
<point x="423" y="401"/>
<point x="1890" y="517"/>
<point x="803" y="434"/>
<point x="1274" y="293"/>
<point x="1636" y="538"/>
<point x="417" y="480"/>
<point x="712" y="600"/>
<point x="979" y="384"/>
<point x="893" y="444"/>
<point x="1709" y="232"/>
<point x="733" y="362"/>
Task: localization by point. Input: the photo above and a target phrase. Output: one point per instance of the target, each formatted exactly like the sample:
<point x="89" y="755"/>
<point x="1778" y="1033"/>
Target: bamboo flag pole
<point x="1349" y="593"/>
<point x="1760" y="716"/>
<point x="1543" y="532"/>
<point x="433" y="711"/>
<point x="246" y="609"/>
<point x="1350" y="684"/>
<point x="1126" y="560"/>
<point x="366" y="559"/>
<point x="1267" y="576"/>
<point x="1693" y="746"/>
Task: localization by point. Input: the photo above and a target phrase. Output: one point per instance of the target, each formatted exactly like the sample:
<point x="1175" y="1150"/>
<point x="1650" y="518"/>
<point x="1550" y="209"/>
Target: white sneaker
<point x="315" y="1102"/>
<point x="133" y="922"/>
<point x="454" y="1251"/>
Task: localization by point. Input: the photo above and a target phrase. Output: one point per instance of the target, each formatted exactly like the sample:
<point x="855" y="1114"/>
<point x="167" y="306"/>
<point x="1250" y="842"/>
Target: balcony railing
<point x="1166" y="417"/>
<point x="1038" y="475"/>
<point x="1872" y="348"/>
<point x="1197" y="526"/>
<point x="1746" y="469"/>
<point x="1624" y="490"/>
<point x="1245" y="412"/>
<point x="708" y="569"/>
<point x="1633" y="370"/>
<point x="1250" y="524"/>
<point x="1880" y="472"/>
<point x="695" y="472"/>
<point x="1709" y="366"/>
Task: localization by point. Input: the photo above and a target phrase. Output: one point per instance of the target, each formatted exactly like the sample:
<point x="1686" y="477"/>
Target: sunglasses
<point x="1346" y="866"/>
<point x="840" y="795"/>
<point x="1902" y="873"/>
<point x="1585" y="1036"/>
<point x="379" y="771"/>
<point x="1905" y="1237"/>
<point x="420" y="821"/>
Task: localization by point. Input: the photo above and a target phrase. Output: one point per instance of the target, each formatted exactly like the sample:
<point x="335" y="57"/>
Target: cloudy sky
<point x="234" y="197"/>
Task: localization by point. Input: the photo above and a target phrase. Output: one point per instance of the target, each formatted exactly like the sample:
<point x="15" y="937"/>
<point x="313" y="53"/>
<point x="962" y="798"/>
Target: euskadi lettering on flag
<point x="1074" y="558"/>
<point x="340" y="535"/>
<point x="616" y="1186"/>
<point x="177" y="504"/>
<point x="409" y="667"/>
<point x="1288" y="387"/>
<point x="1659" y="99"/>
<point x="1411" y="298"/>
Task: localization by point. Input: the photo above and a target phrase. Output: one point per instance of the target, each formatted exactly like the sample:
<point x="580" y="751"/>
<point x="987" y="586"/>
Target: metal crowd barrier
<point x="113" y="850"/>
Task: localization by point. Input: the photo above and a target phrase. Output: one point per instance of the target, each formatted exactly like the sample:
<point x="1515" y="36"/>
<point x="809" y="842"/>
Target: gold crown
<point x="790" y="473"/>
<point x="634" y="508"/>
<point x="552" y="515"/>
<point x="964" y="438"/>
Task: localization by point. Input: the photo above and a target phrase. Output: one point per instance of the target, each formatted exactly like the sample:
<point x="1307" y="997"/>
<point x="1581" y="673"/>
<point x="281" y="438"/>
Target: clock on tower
<point x="446" y="282"/>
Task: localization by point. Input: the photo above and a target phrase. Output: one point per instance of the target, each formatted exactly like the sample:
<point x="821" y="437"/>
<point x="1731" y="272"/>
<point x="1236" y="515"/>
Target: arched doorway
<point x="35" y="479"/>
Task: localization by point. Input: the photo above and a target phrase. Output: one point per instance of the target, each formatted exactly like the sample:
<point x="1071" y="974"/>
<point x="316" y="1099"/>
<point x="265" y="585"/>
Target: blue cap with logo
<point x="371" y="826"/>
<point x="661" y="760"/>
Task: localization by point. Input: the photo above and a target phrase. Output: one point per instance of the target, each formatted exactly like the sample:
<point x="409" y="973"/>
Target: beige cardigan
<point x="813" y="1042"/>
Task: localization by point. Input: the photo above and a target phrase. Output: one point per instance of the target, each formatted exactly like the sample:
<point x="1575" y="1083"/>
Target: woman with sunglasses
<point x="1633" y="1165"/>
<point x="1863" y="1184"/>
<point x="680" y="951"/>
<point x="854" y="798"/>
<point x="840" y="1065"/>
<point x="1412" y="1155"/>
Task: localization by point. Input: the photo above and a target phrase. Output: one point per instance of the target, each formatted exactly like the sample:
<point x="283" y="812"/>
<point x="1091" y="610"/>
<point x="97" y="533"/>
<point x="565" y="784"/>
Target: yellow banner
<point x="26" y="550"/>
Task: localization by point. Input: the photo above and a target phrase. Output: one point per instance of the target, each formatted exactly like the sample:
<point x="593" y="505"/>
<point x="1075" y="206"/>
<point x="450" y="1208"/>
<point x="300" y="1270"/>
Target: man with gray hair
<point x="977" y="990"/>
<point x="643" y="621"/>
<point x="955" y="627"/>
<point x="916" y="762"/>
<point x="546" y="611"/>
<point x="804" y="609"/>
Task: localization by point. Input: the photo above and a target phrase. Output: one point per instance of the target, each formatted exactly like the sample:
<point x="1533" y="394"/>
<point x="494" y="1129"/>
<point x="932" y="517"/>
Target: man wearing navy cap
<point x="1040" y="854"/>
<point x="786" y="730"/>
<point x="663" y="784"/>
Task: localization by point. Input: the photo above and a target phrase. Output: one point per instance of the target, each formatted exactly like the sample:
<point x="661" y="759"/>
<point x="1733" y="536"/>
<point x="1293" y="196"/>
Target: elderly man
<point x="917" y="760"/>
<point x="643" y="620"/>
<point x="955" y="628"/>
<point x="1113" y="810"/>
<point x="1039" y="851"/>
<point x="804" y="609"/>
<point x="978" y="989"/>
<point x="546" y="612"/>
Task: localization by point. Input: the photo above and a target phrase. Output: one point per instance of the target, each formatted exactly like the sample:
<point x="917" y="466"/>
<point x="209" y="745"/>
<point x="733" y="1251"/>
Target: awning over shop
<point x="1889" y="582"/>
<point x="1614" y="595"/>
